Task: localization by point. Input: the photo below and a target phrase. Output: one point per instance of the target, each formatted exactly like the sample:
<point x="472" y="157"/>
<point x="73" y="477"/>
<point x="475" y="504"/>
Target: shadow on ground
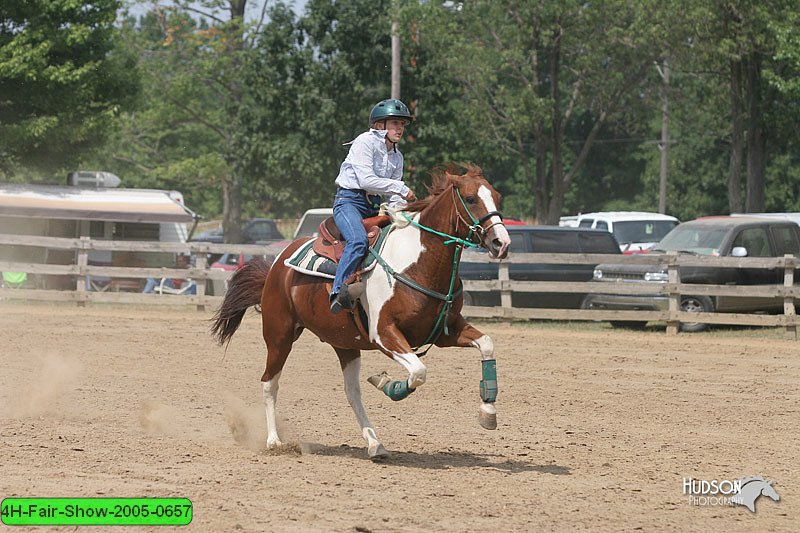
<point x="441" y="460"/>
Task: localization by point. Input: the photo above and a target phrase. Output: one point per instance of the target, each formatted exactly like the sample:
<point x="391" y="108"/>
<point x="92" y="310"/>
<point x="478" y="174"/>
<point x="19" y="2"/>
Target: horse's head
<point x="768" y="490"/>
<point x="477" y="205"/>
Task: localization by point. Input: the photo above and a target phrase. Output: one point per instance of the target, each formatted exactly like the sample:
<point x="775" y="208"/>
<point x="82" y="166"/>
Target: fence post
<point x="788" y="300"/>
<point x="81" y="280"/>
<point x="200" y="264"/>
<point x="673" y="324"/>
<point x="505" y="291"/>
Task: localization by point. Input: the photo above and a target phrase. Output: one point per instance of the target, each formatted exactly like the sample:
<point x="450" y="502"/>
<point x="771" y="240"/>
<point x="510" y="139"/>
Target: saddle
<point x="329" y="242"/>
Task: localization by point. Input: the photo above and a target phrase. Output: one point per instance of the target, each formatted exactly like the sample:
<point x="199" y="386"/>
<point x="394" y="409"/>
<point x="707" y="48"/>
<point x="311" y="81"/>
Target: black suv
<point x="541" y="239"/>
<point x="714" y="236"/>
<point x="253" y="230"/>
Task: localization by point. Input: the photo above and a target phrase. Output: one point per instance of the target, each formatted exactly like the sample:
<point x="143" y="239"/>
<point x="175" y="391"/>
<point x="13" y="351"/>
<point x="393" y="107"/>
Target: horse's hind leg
<point x="350" y="360"/>
<point x="279" y="334"/>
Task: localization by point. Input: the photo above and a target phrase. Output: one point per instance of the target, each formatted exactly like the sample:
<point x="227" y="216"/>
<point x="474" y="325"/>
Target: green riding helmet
<point x="390" y="108"/>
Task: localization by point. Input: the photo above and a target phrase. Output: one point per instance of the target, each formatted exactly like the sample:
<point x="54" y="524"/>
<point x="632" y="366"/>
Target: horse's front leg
<point x="394" y="344"/>
<point x="462" y="334"/>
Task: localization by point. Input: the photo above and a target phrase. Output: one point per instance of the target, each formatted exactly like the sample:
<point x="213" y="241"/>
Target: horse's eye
<point x="471" y="200"/>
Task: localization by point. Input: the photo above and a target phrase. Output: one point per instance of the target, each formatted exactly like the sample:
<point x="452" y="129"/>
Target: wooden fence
<point x="788" y="291"/>
<point x="201" y="274"/>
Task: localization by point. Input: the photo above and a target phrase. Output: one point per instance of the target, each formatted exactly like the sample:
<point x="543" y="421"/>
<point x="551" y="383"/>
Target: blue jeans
<point x="349" y="208"/>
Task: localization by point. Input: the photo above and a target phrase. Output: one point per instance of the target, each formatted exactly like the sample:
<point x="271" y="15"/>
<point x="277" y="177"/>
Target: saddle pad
<point x="307" y="261"/>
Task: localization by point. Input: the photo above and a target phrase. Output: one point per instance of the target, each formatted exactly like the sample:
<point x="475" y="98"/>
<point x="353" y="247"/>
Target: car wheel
<point x="695" y="304"/>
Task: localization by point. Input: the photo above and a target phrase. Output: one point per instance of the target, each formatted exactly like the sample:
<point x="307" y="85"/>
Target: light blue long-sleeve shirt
<point x="373" y="168"/>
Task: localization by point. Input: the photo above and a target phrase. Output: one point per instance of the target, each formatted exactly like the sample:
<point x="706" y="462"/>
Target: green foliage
<point x="539" y="82"/>
<point x="63" y="81"/>
<point x="180" y="136"/>
<point x="309" y="89"/>
<point x="559" y="102"/>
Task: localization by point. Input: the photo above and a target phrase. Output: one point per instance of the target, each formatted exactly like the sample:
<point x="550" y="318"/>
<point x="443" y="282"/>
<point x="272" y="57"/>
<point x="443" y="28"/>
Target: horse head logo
<point x="752" y="488"/>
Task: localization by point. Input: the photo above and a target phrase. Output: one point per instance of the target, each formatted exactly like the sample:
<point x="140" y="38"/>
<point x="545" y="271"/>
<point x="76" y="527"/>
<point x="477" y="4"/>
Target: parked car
<point x="253" y="230"/>
<point x="712" y="236"/>
<point x="541" y="239"/>
<point x="635" y="230"/>
<point x="310" y="221"/>
<point x="793" y="217"/>
<point x="231" y="262"/>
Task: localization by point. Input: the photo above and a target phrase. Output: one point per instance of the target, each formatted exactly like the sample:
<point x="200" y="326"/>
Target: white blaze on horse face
<point x="403" y="248"/>
<point x="499" y="231"/>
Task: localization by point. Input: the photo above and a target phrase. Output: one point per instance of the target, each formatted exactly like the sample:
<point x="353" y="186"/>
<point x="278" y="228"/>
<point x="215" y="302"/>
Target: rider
<point x="373" y="166"/>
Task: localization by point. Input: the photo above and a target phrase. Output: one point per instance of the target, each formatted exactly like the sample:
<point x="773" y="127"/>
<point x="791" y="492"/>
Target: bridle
<point x="476" y="228"/>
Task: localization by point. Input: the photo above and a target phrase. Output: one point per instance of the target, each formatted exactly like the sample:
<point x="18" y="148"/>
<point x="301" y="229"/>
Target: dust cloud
<point x="57" y="376"/>
<point x="246" y="422"/>
<point x="157" y="418"/>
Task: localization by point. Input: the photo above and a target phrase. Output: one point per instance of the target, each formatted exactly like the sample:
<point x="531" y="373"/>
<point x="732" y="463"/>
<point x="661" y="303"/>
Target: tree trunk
<point x="232" y="209"/>
<point x="553" y="212"/>
<point x="232" y="185"/>
<point x="540" y="180"/>
<point x="737" y="144"/>
<point x="756" y="147"/>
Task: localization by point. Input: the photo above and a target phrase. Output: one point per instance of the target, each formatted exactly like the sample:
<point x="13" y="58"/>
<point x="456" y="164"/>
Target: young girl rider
<point x="373" y="167"/>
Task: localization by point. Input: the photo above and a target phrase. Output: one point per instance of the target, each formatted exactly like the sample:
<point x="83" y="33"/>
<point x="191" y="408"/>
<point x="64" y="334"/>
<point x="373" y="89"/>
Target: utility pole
<point x="664" y="144"/>
<point x="395" y="59"/>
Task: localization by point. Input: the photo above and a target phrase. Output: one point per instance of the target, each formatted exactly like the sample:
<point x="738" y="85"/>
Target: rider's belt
<point x="359" y="191"/>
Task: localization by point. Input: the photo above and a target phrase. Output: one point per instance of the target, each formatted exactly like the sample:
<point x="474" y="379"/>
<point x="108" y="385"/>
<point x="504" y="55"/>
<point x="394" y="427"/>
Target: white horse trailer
<point x="95" y="212"/>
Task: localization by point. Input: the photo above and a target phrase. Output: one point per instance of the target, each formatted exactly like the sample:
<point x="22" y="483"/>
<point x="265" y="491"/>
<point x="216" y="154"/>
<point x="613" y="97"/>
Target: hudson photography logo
<point x="727" y="492"/>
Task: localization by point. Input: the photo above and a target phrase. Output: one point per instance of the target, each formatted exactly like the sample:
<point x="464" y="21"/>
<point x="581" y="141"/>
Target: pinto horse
<point x="410" y="299"/>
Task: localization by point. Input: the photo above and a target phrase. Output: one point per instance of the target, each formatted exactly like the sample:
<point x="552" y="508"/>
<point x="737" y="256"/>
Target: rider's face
<point x="394" y="129"/>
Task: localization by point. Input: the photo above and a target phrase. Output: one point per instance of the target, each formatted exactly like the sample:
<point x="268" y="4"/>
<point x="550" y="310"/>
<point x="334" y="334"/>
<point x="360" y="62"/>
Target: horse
<point x="410" y="300"/>
<point x="752" y="488"/>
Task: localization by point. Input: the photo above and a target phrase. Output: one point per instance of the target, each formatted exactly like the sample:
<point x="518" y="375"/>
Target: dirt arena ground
<point x="597" y="427"/>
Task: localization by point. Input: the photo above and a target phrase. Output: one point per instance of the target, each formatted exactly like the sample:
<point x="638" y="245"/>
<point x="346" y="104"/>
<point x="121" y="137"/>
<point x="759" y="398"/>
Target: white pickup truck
<point x="635" y="230"/>
<point x="310" y="221"/>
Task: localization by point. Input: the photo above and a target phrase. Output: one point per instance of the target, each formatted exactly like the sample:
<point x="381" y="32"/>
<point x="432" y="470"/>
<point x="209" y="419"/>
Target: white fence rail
<point x="788" y="291"/>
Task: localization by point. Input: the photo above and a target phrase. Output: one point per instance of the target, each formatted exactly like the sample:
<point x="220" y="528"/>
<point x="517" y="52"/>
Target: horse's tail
<point x="244" y="290"/>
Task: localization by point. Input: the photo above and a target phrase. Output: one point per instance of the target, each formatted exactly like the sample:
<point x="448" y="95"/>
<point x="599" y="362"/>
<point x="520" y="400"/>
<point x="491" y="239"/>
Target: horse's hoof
<point x="379" y="380"/>
<point x="487" y="416"/>
<point x="378" y="453"/>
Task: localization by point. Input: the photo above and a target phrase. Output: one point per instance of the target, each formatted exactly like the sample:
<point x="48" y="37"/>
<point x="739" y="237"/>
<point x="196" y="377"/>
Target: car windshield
<point x="265" y="231"/>
<point x="310" y="224"/>
<point x="695" y="239"/>
<point x="642" y="230"/>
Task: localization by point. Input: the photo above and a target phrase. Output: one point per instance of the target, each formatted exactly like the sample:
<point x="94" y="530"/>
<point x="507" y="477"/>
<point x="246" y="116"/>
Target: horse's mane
<point x="441" y="180"/>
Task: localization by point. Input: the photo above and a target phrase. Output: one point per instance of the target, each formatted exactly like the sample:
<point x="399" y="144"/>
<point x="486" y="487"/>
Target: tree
<point x="542" y="80"/>
<point x="62" y="81"/>
<point x="183" y="133"/>
<point x="732" y="88"/>
<point x="309" y="90"/>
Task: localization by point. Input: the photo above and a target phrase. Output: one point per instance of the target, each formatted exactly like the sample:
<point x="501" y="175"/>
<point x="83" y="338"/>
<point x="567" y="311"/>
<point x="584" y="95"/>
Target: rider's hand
<point x="410" y="197"/>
